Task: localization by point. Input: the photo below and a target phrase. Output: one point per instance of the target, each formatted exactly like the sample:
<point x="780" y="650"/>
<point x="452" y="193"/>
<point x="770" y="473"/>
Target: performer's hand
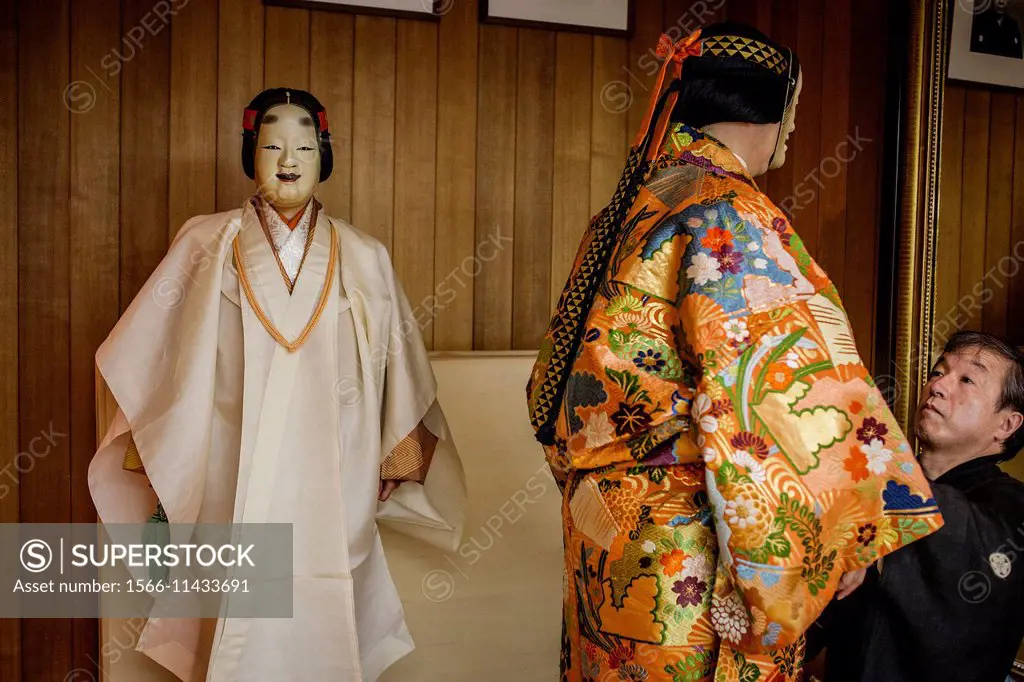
<point x="386" y="488"/>
<point x="850" y="582"/>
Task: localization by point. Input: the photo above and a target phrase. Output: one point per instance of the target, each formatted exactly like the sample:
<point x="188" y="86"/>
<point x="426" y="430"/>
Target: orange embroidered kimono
<point x="724" y="454"/>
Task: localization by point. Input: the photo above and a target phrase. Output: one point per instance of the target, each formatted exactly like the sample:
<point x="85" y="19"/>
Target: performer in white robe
<point x="271" y="371"/>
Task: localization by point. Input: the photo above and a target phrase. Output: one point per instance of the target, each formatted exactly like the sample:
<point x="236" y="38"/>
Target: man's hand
<point x="850" y="582"/>
<point x="386" y="488"/>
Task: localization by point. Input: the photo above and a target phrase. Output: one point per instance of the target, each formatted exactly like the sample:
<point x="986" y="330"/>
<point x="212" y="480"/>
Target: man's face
<point x="287" y="157"/>
<point x="1001" y="5"/>
<point x="958" y="409"/>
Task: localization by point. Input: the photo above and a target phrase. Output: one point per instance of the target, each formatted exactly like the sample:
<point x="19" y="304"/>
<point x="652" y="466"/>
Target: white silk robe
<point x="233" y="427"/>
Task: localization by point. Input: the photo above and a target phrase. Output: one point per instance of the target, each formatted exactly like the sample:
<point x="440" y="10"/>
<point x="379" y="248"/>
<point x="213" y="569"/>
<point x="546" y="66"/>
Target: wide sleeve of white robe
<point x="434" y="510"/>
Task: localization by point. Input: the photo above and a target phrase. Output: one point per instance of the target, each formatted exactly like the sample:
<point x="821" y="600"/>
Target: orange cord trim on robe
<point x="291" y="346"/>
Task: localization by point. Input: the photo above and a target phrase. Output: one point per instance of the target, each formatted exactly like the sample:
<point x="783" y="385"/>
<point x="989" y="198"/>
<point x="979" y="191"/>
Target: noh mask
<point x="286" y="149"/>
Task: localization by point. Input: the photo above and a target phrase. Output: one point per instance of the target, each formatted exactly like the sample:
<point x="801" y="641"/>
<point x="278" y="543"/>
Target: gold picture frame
<point x="919" y="202"/>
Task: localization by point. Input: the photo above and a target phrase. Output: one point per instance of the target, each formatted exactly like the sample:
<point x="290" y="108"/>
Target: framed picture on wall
<point x="986" y="45"/>
<point x="410" y="9"/>
<point x="604" y="17"/>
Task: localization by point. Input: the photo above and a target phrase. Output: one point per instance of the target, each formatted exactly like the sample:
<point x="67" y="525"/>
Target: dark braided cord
<point x="578" y="297"/>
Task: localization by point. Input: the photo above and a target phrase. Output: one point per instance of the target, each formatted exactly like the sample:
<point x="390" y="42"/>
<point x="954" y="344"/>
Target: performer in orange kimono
<point x="724" y="455"/>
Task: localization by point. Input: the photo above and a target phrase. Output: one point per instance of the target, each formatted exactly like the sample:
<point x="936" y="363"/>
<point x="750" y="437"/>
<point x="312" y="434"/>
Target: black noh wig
<point x="742" y="76"/>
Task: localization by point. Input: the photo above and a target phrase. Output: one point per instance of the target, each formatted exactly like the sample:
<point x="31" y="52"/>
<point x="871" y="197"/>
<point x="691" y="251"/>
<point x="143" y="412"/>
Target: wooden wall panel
<point x="145" y="125"/>
<point x="947" y="252"/>
<point x="806" y="152"/>
<point x="683" y="17"/>
<point x="95" y="244"/>
<point x="997" y="229"/>
<point x="866" y="132"/>
<point x="572" y="163"/>
<point x="10" y="630"/>
<point x="1015" y="325"/>
<point x="332" y="51"/>
<point x="416" y="168"/>
<point x="980" y="255"/>
<point x="373" y="128"/>
<point x="193" y="131"/>
<point x="286" y="48"/>
<point x="678" y="18"/>
<point x="43" y="305"/>
<point x="610" y="136"/>
<point x="835" y="127"/>
<point x="455" y="230"/>
<point x="9" y="164"/>
<point x="495" y="200"/>
<point x="534" y="158"/>
<point x="239" y="79"/>
<point x="754" y="12"/>
<point x="642" y="69"/>
<point x="974" y="205"/>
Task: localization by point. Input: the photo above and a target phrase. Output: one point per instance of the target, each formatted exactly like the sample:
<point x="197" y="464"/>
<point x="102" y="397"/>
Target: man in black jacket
<point x="996" y="32"/>
<point x="951" y="606"/>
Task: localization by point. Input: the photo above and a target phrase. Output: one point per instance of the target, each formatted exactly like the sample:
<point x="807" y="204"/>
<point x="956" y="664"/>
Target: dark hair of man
<point x="1012" y="395"/>
<point x="268" y="99"/>
<point x="738" y="88"/>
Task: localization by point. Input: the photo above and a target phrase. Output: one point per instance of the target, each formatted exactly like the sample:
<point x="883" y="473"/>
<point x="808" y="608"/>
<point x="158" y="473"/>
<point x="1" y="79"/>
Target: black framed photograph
<point x="601" y="17"/>
<point x="986" y="45"/>
<point x="407" y="9"/>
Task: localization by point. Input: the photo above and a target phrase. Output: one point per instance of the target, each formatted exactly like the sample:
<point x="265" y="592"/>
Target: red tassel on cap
<point x="323" y="121"/>
<point x="673" y="55"/>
